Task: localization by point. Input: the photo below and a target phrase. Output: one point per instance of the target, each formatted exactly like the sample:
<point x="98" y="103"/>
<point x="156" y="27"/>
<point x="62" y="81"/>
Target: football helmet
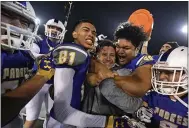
<point x="170" y="73"/>
<point x="18" y="25"/>
<point x="55" y="29"/>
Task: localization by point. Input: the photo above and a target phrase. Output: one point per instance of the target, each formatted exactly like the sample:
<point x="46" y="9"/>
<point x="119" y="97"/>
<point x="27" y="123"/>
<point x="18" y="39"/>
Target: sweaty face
<point x="125" y="51"/>
<point x="164" y="48"/>
<point x="84" y="35"/>
<point x="107" y="56"/>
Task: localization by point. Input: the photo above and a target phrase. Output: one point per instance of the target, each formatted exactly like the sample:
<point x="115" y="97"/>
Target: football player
<point x="54" y="32"/>
<point x="18" y="32"/>
<point x="129" y="39"/>
<point x="72" y="61"/>
<point x="165" y="47"/>
<point x="167" y="105"/>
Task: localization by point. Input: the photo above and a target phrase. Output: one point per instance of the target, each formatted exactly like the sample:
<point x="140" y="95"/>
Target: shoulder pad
<point x="69" y="55"/>
<point x="146" y="59"/>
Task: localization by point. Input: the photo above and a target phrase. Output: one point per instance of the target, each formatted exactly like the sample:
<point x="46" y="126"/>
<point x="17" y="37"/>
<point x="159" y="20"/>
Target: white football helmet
<point x="54" y="33"/>
<point x="18" y="25"/>
<point x="173" y="63"/>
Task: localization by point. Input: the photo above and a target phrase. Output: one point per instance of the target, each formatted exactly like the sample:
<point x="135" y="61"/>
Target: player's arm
<point x="144" y="49"/>
<point x="92" y="79"/>
<point x="98" y="72"/>
<point x="35" y="51"/>
<point x="63" y="87"/>
<point x="15" y="100"/>
<point x="138" y="83"/>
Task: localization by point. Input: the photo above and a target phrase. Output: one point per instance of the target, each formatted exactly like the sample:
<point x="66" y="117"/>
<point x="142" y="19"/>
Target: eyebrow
<point x="88" y="28"/>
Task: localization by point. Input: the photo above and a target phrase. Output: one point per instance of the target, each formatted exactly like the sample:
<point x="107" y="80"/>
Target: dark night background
<point x="169" y="17"/>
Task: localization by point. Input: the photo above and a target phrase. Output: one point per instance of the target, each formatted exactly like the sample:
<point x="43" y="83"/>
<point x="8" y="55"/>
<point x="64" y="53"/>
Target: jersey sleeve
<point x="62" y="111"/>
<point x="144" y="60"/>
<point x="68" y="56"/>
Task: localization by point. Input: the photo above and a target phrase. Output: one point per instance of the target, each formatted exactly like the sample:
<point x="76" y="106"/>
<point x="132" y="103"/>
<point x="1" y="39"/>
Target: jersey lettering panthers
<point x="167" y="113"/>
<point x="14" y="67"/>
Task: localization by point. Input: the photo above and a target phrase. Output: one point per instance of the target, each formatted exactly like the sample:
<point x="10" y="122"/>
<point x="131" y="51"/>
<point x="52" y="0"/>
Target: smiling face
<point x="84" y="34"/>
<point x="107" y="56"/>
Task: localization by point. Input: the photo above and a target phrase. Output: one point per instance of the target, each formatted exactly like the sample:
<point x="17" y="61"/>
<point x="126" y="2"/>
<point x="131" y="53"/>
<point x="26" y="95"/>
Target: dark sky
<point x="169" y="17"/>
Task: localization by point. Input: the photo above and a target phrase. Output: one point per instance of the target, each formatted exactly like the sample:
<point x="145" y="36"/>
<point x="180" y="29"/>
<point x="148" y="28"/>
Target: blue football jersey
<point x="71" y="55"/>
<point x="45" y="47"/>
<point x="139" y="60"/>
<point x="14" y="67"/>
<point x="156" y="57"/>
<point x="167" y="113"/>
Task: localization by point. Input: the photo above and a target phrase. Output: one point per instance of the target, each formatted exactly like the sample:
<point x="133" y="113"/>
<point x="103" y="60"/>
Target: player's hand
<point x="101" y="75"/>
<point x="145" y="114"/>
<point x="45" y="67"/>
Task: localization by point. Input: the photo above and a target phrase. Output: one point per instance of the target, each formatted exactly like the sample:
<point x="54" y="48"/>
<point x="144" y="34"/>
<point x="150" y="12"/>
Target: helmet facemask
<point x="17" y="31"/>
<point x="55" y="30"/>
<point x="175" y="82"/>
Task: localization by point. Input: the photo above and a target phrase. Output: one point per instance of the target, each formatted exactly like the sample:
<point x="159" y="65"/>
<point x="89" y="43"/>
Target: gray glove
<point x="145" y="114"/>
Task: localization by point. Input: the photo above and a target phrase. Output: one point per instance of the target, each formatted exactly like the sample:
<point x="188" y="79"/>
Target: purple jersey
<point x="45" y="47"/>
<point x="167" y="113"/>
<point x="14" y="67"/>
<point x="138" y="61"/>
<point x="78" y="59"/>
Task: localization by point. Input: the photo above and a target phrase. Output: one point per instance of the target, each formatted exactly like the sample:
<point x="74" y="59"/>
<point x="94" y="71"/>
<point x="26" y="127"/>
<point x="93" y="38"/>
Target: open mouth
<point x="89" y="41"/>
<point x="122" y="58"/>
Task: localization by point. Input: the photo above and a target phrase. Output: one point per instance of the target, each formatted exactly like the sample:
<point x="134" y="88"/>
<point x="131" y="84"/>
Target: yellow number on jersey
<point x="63" y="57"/>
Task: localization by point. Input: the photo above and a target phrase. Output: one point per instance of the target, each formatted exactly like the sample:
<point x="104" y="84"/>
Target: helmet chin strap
<point x="181" y="101"/>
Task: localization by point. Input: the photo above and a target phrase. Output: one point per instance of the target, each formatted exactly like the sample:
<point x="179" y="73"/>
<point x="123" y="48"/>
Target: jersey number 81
<point x="66" y="57"/>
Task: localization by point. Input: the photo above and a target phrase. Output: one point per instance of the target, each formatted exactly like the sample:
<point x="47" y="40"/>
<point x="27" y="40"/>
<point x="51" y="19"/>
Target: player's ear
<point x="74" y="34"/>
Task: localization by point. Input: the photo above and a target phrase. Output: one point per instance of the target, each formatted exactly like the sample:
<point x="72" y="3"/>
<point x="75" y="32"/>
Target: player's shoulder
<point x="69" y="53"/>
<point x="143" y="59"/>
<point x="150" y="96"/>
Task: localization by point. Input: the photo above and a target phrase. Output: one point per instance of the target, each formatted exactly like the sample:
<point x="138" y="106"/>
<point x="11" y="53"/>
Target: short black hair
<point x="173" y="44"/>
<point x="104" y="43"/>
<point x="82" y="21"/>
<point x="130" y="32"/>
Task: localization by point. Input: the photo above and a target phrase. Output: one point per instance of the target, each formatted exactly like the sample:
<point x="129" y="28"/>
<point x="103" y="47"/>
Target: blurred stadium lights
<point x="184" y="29"/>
